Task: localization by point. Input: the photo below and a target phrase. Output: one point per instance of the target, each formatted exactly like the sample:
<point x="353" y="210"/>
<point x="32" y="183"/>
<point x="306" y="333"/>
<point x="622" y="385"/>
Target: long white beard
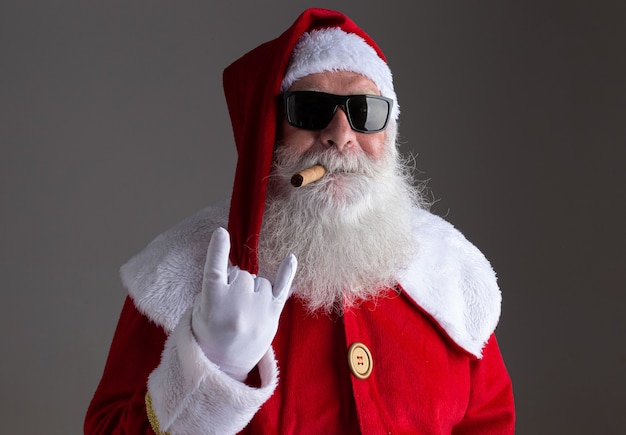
<point x="350" y="231"/>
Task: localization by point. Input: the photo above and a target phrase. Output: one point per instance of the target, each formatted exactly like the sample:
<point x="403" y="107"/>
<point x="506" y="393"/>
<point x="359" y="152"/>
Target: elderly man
<point x="337" y="306"/>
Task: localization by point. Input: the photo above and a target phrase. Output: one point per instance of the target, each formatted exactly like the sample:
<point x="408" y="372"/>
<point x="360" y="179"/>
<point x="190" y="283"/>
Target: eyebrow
<point x="359" y="91"/>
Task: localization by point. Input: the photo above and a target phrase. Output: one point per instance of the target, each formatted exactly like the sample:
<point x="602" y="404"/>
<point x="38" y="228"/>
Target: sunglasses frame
<point x="337" y="100"/>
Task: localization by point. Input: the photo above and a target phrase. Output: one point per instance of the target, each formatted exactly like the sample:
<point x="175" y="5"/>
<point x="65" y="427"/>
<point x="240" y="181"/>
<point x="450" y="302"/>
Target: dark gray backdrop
<point x="113" y="128"/>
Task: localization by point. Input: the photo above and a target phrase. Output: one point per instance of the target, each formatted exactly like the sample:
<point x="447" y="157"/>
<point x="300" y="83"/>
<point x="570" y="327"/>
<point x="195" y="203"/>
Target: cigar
<point x="307" y="176"/>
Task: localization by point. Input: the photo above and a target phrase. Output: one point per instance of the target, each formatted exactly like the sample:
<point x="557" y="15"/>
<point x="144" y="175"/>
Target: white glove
<point x="236" y="317"/>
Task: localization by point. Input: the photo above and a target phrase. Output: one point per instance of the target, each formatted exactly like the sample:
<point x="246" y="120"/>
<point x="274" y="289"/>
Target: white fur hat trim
<point x="332" y="49"/>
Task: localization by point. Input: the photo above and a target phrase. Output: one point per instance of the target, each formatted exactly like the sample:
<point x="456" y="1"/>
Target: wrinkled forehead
<point x="336" y="82"/>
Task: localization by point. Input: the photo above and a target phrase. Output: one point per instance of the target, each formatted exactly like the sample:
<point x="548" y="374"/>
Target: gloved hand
<point x="236" y="317"/>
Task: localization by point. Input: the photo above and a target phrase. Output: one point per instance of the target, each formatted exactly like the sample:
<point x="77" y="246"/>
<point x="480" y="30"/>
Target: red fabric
<point x="420" y="384"/>
<point x="118" y="405"/>
<point x="313" y="394"/>
<point x="252" y="86"/>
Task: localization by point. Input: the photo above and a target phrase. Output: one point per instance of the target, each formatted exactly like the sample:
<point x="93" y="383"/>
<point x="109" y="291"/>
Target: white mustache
<point x="288" y="163"/>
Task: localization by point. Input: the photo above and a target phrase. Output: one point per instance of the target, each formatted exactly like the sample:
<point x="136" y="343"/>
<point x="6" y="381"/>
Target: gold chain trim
<point x="152" y="417"/>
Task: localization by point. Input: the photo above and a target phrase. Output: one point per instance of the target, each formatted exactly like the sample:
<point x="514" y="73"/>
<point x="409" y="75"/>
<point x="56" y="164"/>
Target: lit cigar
<point x="308" y="175"/>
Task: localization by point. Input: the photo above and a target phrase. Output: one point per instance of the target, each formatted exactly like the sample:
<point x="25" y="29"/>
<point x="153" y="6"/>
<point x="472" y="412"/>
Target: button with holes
<point x="360" y="360"/>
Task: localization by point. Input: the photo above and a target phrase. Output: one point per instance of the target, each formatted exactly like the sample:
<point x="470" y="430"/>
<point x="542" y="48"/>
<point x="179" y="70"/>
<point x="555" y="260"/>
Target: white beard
<point x="350" y="231"/>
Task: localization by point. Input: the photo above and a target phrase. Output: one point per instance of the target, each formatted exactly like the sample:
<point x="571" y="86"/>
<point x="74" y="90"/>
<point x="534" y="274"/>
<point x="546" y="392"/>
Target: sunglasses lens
<point x="309" y="110"/>
<point x="368" y="113"/>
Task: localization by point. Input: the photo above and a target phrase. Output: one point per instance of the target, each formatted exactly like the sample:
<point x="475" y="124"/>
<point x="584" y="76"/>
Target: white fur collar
<point x="453" y="282"/>
<point x="449" y="277"/>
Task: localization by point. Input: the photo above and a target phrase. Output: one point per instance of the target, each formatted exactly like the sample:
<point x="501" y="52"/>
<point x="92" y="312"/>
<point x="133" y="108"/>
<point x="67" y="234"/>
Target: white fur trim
<point x="165" y="277"/>
<point x="453" y="281"/>
<point x="449" y="277"/>
<point x="190" y="395"/>
<point x="332" y="49"/>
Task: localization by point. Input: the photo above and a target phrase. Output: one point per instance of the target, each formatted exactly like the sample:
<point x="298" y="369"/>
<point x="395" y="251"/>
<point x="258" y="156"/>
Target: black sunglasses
<point x="312" y="110"/>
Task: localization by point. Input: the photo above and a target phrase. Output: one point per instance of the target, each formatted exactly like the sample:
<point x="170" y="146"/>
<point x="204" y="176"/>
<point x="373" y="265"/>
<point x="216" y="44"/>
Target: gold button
<point x="360" y="360"/>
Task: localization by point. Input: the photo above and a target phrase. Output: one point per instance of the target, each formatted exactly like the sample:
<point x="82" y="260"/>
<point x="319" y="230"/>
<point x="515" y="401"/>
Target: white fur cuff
<point x="190" y="395"/>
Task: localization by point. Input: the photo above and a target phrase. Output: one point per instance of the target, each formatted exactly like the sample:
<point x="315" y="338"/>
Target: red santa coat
<point x="436" y="364"/>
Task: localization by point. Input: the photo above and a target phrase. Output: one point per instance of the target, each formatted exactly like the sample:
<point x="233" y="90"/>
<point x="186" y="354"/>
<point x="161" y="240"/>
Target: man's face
<point x="350" y="230"/>
<point x="338" y="132"/>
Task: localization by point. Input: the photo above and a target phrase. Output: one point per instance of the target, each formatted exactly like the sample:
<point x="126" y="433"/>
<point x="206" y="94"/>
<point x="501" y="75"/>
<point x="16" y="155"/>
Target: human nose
<point x="338" y="132"/>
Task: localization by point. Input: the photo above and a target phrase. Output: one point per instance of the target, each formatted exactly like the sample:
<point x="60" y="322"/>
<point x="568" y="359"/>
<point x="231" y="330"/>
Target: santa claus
<point x="338" y="306"/>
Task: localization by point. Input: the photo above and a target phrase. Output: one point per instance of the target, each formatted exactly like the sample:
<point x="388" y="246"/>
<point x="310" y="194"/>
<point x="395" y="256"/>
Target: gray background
<point x="114" y="127"/>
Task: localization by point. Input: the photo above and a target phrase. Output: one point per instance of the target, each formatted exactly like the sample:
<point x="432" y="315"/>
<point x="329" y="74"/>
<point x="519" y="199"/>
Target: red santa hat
<point x="319" y="40"/>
